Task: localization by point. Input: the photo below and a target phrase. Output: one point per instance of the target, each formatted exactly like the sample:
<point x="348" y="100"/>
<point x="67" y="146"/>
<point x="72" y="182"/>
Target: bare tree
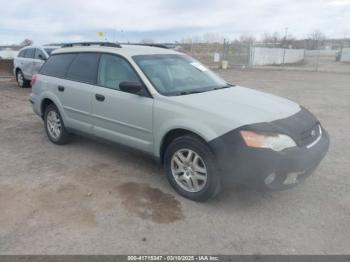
<point x="26" y="42"/>
<point x="213" y="38"/>
<point x="208" y="38"/>
<point x="147" y="41"/>
<point x="196" y="39"/>
<point x="276" y="40"/>
<point x="317" y="35"/>
<point x="288" y="41"/>
<point x="273" y="39"/>
<point x="187" y="40"/>
<point x="247" y="39"/>
<point x="315" y="39"/>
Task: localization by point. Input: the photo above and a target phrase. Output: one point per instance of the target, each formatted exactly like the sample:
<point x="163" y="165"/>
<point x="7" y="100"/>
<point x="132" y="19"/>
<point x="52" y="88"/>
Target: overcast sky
<point x="167" y="20"/>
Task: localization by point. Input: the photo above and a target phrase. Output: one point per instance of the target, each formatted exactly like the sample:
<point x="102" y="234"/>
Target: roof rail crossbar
<point x="52" y="44"/>
<point x="153" y="45"/>
<point x="109" y="44"/>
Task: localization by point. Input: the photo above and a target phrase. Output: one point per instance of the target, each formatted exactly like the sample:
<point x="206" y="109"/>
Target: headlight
<point x="276" y="142"/>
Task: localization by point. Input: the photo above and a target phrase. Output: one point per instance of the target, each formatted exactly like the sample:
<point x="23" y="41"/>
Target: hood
<point x="239" y="105"/>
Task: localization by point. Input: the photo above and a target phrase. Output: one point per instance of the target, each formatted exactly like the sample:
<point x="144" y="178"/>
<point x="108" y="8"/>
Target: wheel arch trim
<point x="202" y="131"/>
<point x="49" y="96"/>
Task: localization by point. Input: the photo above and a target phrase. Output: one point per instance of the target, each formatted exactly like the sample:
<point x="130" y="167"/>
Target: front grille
<point x="309" y="136"/>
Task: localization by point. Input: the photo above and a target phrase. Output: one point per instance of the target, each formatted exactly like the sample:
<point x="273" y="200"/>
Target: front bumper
<point x="275" y="170"/>
<point x="265" y="168"/>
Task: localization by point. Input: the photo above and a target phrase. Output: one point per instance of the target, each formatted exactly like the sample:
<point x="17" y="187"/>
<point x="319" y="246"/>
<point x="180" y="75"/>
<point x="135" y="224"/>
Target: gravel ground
<point x="93" y="198"/>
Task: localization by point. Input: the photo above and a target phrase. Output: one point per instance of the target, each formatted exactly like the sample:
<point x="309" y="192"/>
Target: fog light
<point x="270" y="178"/>
<point x="292" y="178"/>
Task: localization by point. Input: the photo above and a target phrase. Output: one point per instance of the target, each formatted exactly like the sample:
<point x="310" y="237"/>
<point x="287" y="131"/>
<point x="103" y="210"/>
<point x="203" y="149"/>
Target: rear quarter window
<point x="84" y="68"/>
<point x="22" y="53"/>
<point x="57" y="65"/>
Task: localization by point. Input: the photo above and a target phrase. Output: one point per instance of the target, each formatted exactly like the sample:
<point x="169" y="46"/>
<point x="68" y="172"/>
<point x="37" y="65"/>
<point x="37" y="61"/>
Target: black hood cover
<point x="303" y="127"/>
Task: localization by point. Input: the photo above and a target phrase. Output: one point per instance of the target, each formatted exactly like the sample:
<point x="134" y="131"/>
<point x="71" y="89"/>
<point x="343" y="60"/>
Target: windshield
<point x="178" y="74"/>
<point x="49" y="50"/>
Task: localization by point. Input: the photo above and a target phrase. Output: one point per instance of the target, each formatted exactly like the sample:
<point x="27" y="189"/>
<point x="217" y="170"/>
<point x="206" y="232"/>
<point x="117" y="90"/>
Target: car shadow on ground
<point x="236" y="195"/>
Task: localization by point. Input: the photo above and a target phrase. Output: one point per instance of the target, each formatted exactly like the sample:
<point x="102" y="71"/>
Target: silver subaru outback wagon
<point x="207" y="134"/>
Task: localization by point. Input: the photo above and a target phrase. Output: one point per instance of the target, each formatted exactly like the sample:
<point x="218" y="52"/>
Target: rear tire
<point x="191" y="168"/>
<point x="21" y="81"/>
<point x="54" y="126"/>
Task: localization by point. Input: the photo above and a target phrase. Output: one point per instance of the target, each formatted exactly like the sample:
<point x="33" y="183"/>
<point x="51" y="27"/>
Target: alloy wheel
<point x="54" y="125"/>
<point x="189" y="170"/>
<point x="20" y="79"/>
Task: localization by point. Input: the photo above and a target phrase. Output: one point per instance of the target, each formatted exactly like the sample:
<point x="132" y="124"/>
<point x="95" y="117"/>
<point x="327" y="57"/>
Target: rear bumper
<point x="35" y="105"/>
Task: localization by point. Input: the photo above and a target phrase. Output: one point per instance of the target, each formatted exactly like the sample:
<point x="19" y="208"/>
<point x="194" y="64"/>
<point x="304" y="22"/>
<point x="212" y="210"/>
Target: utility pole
<point x="284" y="43"/>
<point x="318" y="54"/>
<point x="344" y="39"/>
<point x="342" y="46"/>
<point x="285" y="35"/>
<point x="122" y="36"/>
<point x="224" y="50"/>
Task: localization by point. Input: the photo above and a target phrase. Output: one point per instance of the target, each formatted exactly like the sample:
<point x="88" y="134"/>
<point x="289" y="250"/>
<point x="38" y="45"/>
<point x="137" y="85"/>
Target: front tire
<point x="21" y="81"/>
<point x="54" y="126"/>
<point x="191" y="168"/>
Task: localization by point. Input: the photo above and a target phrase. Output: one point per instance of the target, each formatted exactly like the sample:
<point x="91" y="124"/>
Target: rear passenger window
<point x="57" y="65"/>
<point x="29" y="53"/>
<point x="84" y="68"/>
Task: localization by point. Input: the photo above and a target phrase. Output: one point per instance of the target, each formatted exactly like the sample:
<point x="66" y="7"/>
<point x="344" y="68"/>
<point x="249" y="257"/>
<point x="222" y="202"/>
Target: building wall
<point x="275" y="56"/>
<point x="345" y="55"/>
<point x="8" y="53"/>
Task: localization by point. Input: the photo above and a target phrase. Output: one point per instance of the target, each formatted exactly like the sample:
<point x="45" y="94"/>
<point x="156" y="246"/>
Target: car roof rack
<point x="52" y="44"/>
<point x="108" y="44"/>
<point x="152" y="45"/>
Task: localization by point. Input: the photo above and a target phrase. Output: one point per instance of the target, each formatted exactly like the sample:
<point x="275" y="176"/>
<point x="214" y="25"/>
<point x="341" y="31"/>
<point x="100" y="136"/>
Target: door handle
<point x="60" y="88"/>
<point x="99" y="97"/>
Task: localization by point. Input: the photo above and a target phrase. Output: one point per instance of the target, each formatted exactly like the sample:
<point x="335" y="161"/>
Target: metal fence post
<point x="251" y="51"/>
<point x="318" y="58"/>
<point x="318" y="55"/>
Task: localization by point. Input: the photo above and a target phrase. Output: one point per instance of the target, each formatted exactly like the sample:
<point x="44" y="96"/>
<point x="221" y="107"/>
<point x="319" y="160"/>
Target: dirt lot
<point x="92" y="198"/>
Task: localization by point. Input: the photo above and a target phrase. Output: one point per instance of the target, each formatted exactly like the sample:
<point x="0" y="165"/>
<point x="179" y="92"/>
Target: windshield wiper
<point x="203" y="90"/>
<point x="190" y="92"/>
<point x="222" y="87"/>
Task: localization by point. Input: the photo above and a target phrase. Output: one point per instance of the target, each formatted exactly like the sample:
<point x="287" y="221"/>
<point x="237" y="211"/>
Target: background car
<point x="29" y="61"/>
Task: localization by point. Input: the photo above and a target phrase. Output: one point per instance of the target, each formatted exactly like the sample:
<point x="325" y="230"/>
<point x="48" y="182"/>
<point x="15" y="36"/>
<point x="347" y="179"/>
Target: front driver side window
<point x="113" y="70"/>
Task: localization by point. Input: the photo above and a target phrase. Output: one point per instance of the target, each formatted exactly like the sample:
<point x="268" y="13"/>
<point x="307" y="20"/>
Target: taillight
<point x="34" y="77"/>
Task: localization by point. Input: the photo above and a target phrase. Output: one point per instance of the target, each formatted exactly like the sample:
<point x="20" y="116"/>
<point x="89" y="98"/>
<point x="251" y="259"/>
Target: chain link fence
<point x="254" y="55"/>
<point x="212" y="55"/>
<point x="242" y="55"/>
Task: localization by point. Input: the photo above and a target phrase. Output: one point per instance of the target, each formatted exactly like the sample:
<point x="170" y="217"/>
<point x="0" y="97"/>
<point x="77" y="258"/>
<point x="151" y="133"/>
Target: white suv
<point x="207" y="133"/>
<point x="29" y="61"/>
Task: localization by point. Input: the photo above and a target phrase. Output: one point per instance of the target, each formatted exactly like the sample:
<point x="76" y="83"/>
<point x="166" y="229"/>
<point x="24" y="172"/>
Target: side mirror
<point x="132" y="87"/>
<point x="42" y="57"/>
